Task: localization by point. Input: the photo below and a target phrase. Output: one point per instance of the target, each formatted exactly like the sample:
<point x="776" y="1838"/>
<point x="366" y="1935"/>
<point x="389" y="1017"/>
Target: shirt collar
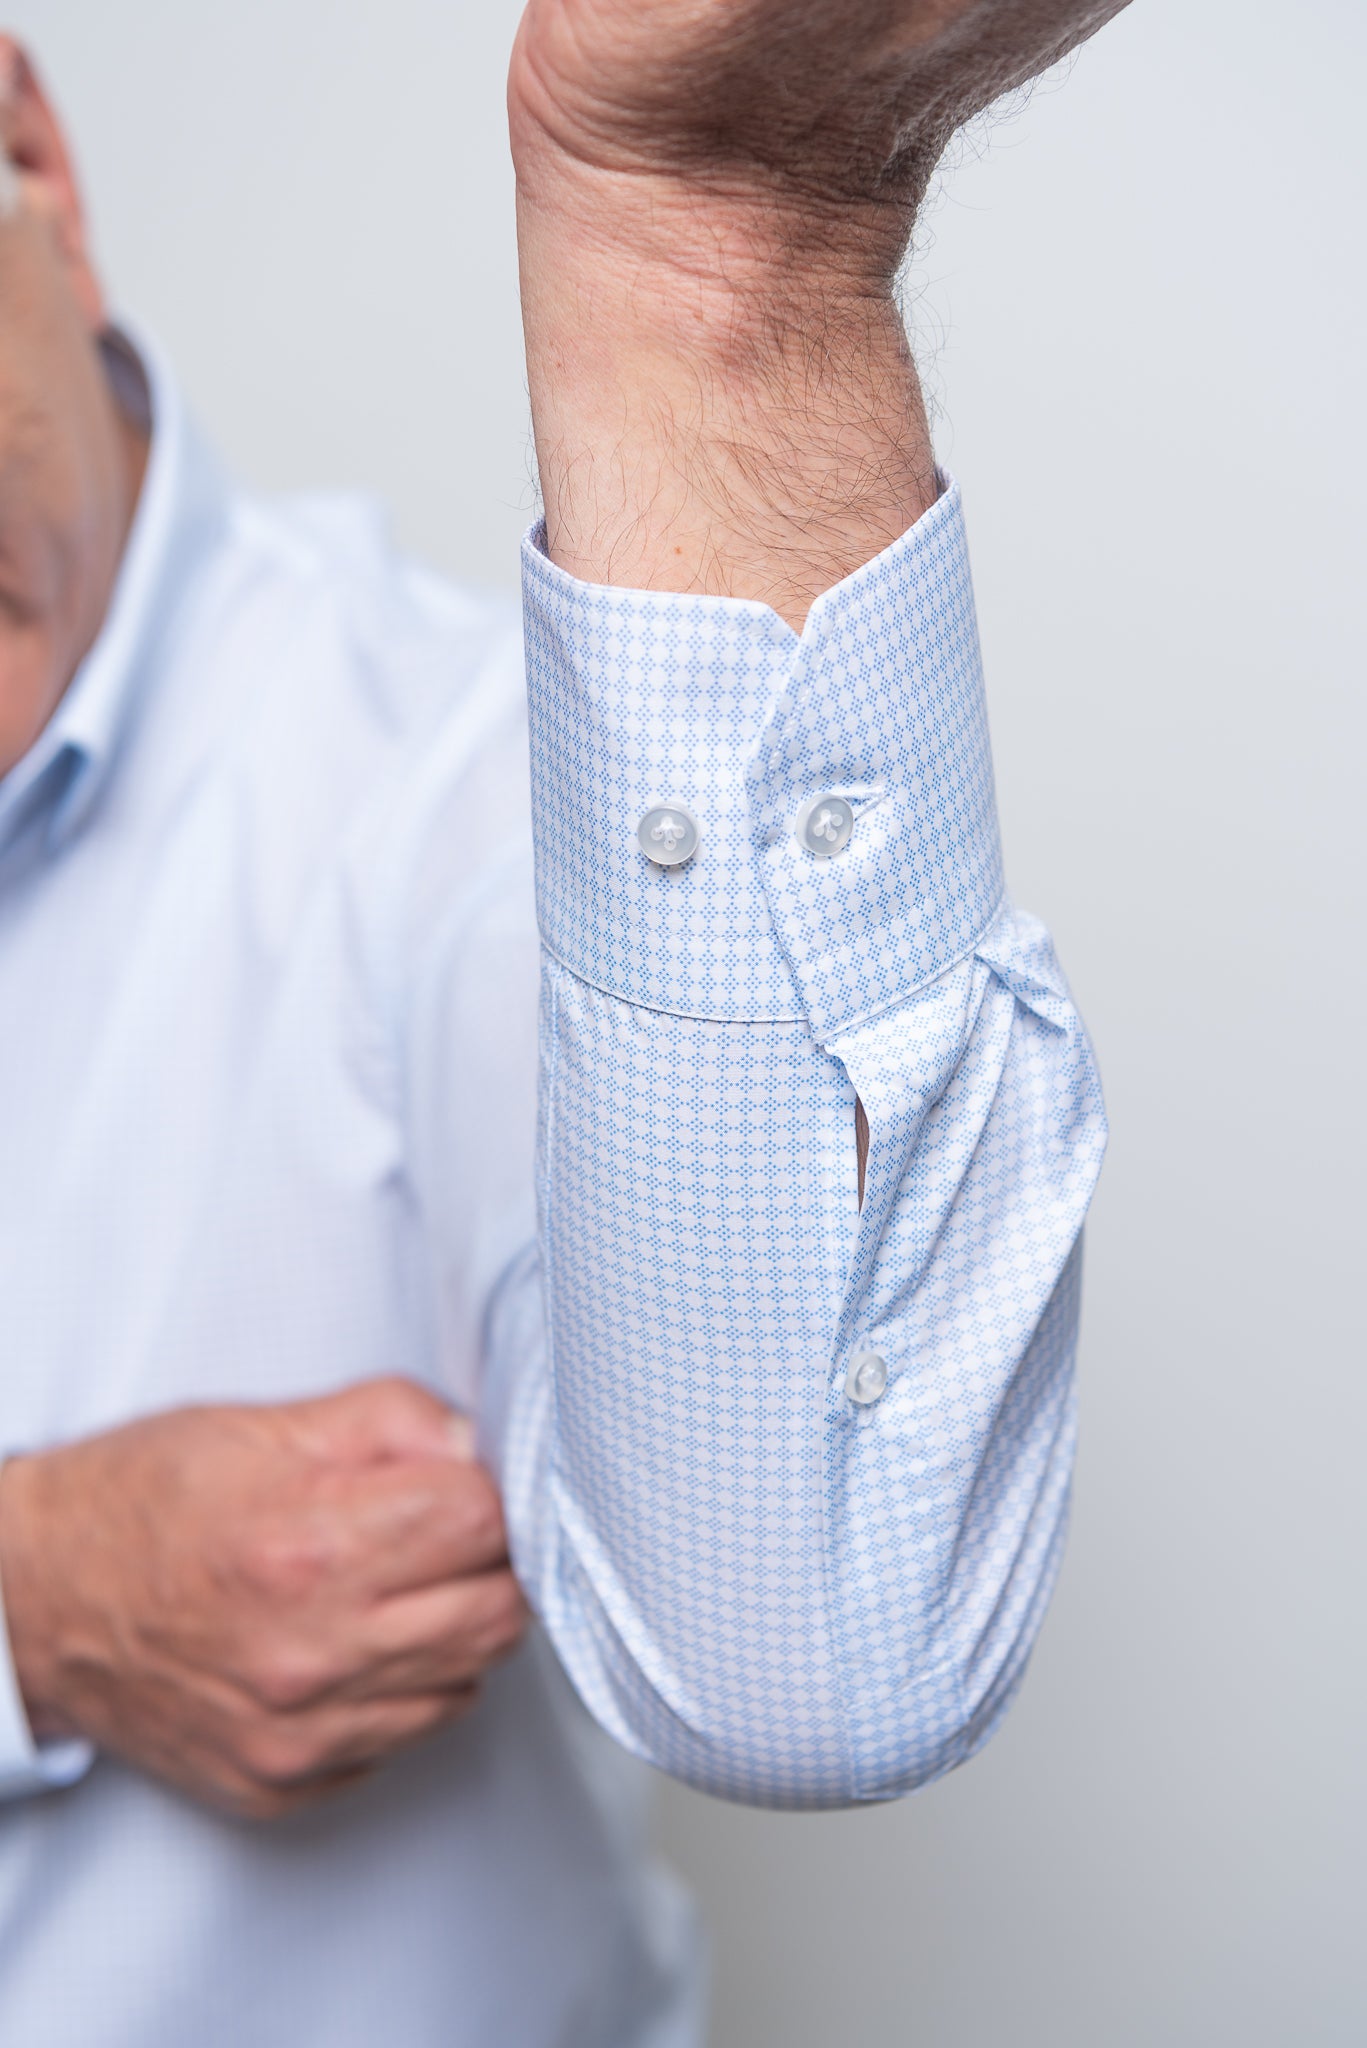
<point x="180" y="507"/>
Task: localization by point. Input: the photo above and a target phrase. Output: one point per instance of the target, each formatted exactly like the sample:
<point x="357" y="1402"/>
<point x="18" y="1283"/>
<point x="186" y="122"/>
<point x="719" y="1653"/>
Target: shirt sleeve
<point x="786" y="1475"/>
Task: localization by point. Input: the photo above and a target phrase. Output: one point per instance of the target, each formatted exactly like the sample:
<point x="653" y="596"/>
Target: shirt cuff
<point x="641" y="699"/>
<point x="25" y="1766"/>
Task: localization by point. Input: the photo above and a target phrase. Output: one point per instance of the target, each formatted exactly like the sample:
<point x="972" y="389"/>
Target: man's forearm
<point x="709" y="418"/>
<point x="785" y="1435"/>
<point x="713" y="199"/>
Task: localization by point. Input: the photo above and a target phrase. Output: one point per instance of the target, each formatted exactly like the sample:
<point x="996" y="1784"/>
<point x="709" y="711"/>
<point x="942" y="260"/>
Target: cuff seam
<point x="856" y="1023"/>
<point x="660" y="1009"/>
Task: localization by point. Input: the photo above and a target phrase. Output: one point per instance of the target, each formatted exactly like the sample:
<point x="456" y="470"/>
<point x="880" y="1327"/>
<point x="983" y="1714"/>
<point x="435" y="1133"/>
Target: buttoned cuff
<point x="840" y="781"/>
<point x="25" y="1766"/>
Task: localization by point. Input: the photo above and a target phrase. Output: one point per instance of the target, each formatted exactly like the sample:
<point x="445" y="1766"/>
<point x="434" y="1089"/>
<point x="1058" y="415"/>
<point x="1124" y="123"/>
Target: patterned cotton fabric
<point x="761" y="1586"/>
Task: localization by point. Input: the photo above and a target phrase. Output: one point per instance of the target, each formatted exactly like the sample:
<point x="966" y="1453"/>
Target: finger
<point x="404" y="1527"/>
<point x="367" y="1736"/>
<point x="445" y="1636"/>
<point x="379" y="1420"/>
<point x="301" y="1750"/>
<point x="460" y="1434"/>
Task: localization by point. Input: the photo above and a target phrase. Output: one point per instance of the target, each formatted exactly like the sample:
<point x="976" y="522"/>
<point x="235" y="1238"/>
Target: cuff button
<point x="823" y="825"/>
<point x="668" y="835"/>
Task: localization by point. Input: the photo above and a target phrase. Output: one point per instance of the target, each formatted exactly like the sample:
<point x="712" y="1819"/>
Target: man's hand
<point x="829" y="114"/>
<point x="713" y="199"/>
<point x="259" y="1603"/>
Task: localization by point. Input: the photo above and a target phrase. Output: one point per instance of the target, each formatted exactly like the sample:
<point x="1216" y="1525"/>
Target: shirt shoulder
<point x="439" y="840"/>
<point x="315" y="685"/>
<point x="363" y="619"/>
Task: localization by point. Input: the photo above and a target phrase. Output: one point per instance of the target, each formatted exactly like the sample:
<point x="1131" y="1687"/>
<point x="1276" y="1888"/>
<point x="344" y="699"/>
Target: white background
<point x="1140" y="303"/>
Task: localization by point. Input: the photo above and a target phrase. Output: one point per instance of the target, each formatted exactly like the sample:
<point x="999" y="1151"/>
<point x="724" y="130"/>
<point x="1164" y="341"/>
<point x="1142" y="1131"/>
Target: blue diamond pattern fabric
<point x="761" y="1586"/>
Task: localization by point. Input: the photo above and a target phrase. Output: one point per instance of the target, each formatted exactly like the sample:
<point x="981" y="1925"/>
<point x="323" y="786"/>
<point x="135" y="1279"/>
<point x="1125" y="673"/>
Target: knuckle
<point x="478" y="1512"/>
<point x="276" y="1758"/>
<point x="391" y="1387"/>
<point x="382" y="1396"/>
<point x="399" y="1402"/>
<point x="284" y="1560"/>
<point x="283" y="1677"/>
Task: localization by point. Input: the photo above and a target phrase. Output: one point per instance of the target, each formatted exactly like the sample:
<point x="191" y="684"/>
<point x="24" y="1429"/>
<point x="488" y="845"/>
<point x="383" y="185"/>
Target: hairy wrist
<point x="739" y="222"/>
<point x="723" y="399"/>
<point x="714" y="196"/>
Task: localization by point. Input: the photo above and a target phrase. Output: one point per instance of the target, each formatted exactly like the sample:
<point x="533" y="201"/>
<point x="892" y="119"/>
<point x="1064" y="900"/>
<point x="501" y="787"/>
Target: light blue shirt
<point x="293" y="1092"/>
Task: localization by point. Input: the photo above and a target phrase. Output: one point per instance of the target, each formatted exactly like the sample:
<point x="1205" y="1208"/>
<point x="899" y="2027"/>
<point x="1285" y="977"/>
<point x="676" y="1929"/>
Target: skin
<point x="713" y="199"/>
<point x="255" y="1604"/>
<point x="70" y="464"/>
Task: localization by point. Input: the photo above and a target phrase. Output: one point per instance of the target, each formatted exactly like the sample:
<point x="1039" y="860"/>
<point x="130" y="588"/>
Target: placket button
<point x="867" y="1379"/>
<point x="823" y="825"/>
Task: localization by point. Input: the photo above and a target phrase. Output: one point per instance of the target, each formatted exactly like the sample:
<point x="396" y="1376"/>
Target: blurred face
<point x="70" y="463"/>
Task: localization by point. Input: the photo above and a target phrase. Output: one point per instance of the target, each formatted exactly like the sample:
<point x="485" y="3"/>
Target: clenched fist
<point x="257" y="1604"/>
